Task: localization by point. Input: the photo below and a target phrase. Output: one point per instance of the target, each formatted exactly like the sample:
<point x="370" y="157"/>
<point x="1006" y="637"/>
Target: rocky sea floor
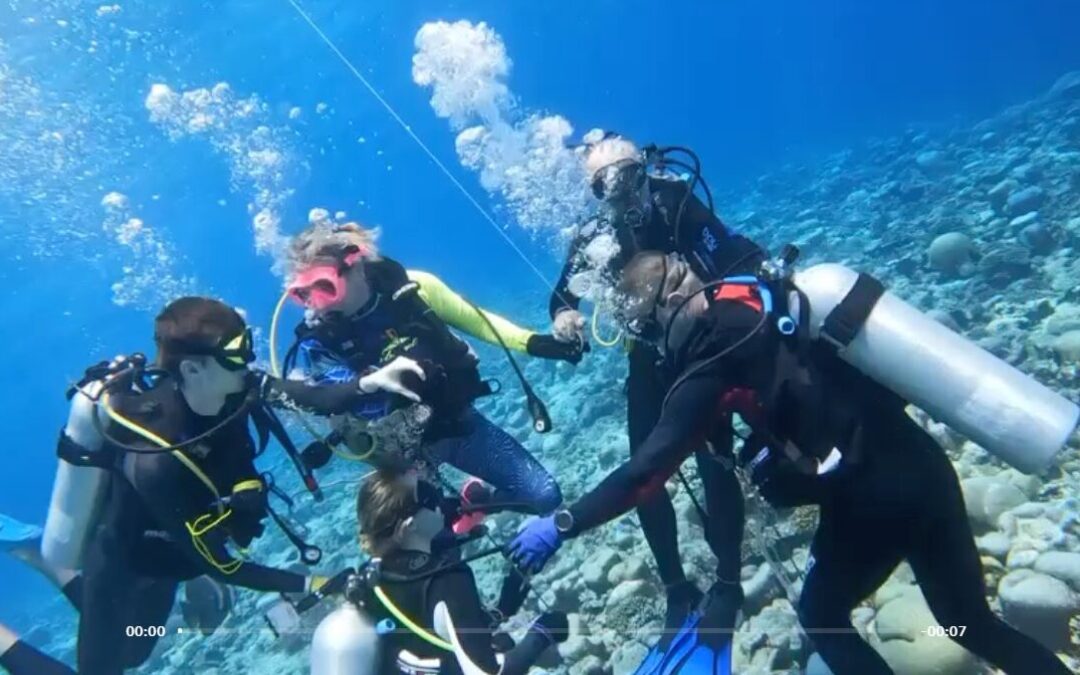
<point x="979" y="225"/>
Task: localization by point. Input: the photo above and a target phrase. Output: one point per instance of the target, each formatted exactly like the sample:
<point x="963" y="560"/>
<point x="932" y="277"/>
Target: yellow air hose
<point x="275" y="369"/>
<point x="596" y="330"/>
<point x="431" y="639"/>
<point x="204" y="523"/>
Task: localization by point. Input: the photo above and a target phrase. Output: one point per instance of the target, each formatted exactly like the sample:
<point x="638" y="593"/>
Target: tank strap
<point x="847" y="318"/>
<point x="73" y="453"/>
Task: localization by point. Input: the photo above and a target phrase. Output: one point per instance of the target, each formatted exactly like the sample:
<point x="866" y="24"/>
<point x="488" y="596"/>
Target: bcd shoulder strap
<point x="846" y="319"/>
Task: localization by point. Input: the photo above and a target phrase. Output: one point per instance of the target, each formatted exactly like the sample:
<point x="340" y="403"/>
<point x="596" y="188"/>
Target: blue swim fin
<point x="15" y="534"/>
<point x="667" y="654"/>
<point x="705" y="659"/>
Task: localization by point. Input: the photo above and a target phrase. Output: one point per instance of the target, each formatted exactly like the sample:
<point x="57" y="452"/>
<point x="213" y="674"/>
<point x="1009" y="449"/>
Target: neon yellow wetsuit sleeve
<point x="458" y="313"/>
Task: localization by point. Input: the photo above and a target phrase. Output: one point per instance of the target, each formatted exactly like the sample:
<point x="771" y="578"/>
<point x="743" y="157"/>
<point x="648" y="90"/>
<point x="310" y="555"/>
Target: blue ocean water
<point x="752" y="86"/>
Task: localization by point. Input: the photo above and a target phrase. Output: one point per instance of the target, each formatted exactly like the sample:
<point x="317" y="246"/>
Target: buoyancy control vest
<point x="222" y="462"/>
<point x="696" y="233"/>
<point x="453" y="379"/>
<point x="801" y="402"/>
<point x="147" y="415"/>
<point x="405" y="605"/>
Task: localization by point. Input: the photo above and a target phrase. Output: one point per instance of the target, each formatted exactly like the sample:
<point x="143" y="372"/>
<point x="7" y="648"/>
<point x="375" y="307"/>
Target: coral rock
<point x="1039" y="605"/>
<point x="951" y="252"/>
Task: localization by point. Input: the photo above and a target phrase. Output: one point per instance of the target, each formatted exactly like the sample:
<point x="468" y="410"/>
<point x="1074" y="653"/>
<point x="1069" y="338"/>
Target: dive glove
<point x="393" y="377"/>
<point x="548" y="347"/>
<point x="536" y="542"/>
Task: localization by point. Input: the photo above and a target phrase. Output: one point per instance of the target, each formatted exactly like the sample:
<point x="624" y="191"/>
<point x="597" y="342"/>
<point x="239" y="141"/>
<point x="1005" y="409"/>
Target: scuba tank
<point x="952" y="379"/>
<point x="345" y="643"/>
<point x="78" y="490"/>
<point x="82" y="472"/>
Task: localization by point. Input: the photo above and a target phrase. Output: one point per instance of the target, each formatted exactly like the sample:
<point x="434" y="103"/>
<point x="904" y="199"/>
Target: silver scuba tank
<point x="345" y="643"/>
<point x="949" y="377"/>
<point x="78" y="491"/>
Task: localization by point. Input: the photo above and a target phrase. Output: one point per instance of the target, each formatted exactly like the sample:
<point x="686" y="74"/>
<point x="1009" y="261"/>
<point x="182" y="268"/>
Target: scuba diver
<point x="426" y="605"/>
<point x="157" y="482"/>
<point x="813" y="362"/>
<point x="364" y="310"/>
<point x="645" y="206"/>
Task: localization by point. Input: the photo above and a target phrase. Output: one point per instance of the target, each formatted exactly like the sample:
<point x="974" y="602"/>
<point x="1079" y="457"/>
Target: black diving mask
<point x="619" y="180"/>
<point x="232" y="353"/>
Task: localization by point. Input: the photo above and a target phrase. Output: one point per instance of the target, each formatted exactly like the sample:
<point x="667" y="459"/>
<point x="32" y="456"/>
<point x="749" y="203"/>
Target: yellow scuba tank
<point x="954" y="380"/>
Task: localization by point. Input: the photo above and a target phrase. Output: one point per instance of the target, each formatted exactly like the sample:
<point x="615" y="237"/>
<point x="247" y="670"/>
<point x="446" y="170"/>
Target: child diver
<point x="427" y="604"/>
<point x="157" y="482"/>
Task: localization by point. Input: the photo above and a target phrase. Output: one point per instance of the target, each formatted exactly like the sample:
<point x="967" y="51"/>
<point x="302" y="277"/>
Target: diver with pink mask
<point x="367" y="316"/>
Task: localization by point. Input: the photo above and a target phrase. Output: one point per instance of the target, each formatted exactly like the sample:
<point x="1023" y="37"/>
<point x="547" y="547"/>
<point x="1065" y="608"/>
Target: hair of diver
<point x="423" y="146"/>
<point x="667" y="330"/>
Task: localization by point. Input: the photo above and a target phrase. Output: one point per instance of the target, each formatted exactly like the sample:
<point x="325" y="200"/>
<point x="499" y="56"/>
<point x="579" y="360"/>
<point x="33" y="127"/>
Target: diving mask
<point x="619" y="180"/>
<point x="322" y="285"/>
<point x="232" y="353"/>
<point x="236" y="353"/>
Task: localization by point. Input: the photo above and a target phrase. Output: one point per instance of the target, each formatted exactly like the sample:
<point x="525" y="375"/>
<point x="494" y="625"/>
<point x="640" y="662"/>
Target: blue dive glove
<point x="535" y="543"/>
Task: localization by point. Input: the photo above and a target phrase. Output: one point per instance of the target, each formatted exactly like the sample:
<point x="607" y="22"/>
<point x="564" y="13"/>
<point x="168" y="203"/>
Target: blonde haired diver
<point x="366" y="312"/>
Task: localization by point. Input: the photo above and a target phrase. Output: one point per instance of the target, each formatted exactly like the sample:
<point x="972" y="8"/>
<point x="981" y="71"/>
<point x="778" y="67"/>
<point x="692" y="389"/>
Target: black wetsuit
<point x="455" y="587"/>
<point x="894" y="496"/>
<point x="646" y="384"/>
<point x="142" y="548"/>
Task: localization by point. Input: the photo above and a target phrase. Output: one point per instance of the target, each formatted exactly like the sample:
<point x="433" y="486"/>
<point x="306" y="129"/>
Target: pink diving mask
<point x="323" y="284"/>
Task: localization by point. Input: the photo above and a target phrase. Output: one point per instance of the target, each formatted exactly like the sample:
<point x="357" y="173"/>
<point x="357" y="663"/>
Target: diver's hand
<point x="248" y="511"/>
<point x="536" y="542"/>
<point x="550" y="347"/>
<point x="569" y="326"/>
<point x="391" y="378"/>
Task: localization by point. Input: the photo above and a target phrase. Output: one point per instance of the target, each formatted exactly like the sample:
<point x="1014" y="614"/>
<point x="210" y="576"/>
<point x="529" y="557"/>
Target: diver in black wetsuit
<point x="645" y="211"/>
<point x="169" y="514"/>
<point x="400" y="515"/>
<point x="823" y="433"/>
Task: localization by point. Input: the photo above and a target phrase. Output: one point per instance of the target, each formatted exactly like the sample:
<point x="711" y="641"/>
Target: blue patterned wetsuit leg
<point x="495" y="457"/>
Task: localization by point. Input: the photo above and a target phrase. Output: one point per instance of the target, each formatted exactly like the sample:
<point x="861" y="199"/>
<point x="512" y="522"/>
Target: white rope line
<point x="423" y="146"/>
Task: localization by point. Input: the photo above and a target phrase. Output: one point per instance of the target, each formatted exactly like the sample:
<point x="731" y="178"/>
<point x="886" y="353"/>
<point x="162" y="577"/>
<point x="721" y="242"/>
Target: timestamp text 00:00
<point x="145" y="631"/>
